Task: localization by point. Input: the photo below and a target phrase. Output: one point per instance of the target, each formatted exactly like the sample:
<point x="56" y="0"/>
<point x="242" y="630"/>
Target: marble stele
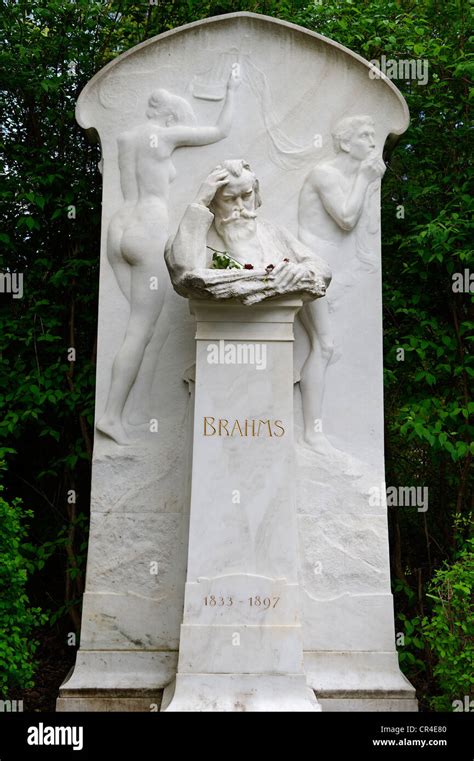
<point x="222" y="141"/>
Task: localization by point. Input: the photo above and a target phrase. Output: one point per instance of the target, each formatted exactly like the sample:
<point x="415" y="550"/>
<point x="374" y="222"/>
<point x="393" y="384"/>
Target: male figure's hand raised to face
<point x="330" y="207"/>
<point x="334" y="191"/>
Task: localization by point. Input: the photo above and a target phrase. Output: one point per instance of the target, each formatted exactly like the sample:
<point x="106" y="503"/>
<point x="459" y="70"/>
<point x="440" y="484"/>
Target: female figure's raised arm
<point x="180" y="136"/>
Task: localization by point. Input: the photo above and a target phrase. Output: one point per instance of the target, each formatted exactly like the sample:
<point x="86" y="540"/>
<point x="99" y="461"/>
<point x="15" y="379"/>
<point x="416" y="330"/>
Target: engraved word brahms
<point x="252" y="428"/>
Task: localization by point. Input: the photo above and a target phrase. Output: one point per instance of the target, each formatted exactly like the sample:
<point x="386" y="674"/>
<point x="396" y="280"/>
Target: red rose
<point x="248" y="266"/>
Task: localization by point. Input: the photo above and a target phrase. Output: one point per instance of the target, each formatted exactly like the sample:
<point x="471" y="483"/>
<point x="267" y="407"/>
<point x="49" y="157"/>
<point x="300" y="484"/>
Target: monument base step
<point x="144" y="681"/>
<point x="117" y="680"/>
<point x="359" y="681"/>
<point x="381" y="704"/>
<point x="104" y="701"/>
<point x="239" y="693"/>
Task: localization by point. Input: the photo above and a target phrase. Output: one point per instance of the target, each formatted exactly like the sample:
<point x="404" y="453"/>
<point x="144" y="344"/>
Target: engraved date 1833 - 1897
<point x="257" y="601"/>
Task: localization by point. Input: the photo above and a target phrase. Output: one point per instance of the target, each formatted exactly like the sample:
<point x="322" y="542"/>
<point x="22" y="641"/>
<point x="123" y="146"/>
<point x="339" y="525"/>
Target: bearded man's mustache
<point x="244" y="214"/>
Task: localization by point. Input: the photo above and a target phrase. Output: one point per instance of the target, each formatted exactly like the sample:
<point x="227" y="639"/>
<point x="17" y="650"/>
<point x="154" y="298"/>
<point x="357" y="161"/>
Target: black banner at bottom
<point x="142" y="735"/>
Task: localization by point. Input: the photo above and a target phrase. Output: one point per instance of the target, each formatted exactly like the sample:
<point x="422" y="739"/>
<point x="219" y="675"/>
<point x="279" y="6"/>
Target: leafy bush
<point x="17" y="618"/>
<point x="450" y="629"/>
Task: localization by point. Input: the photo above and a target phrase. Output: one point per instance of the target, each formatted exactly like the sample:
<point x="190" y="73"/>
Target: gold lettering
<point x="223" y="427"/>
<point x="278" y="424"/>
<point x="236" y="425"/>
<point x="206" y="424"/>
<point x="223" y="423"/>
<point x="264" y="422"/>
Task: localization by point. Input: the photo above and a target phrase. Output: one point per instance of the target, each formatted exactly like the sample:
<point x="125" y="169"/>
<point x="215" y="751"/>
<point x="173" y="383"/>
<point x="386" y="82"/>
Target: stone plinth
<point x="241" y="641"/>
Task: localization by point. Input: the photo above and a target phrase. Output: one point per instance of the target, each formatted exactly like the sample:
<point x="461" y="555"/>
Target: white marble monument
<point x="235" y="560"/>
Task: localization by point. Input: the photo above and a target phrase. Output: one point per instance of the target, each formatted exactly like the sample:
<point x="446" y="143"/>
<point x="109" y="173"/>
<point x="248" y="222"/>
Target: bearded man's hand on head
<point x="211" y="185"/>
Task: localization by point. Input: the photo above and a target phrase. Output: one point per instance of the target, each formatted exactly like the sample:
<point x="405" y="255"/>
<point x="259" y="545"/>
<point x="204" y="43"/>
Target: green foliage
<point x="50" y="221"/>
<point x="449" y="630"/>
<point x="223" y="261"/>
<point x="409" y="636"/>
<point x="17" y="618"/>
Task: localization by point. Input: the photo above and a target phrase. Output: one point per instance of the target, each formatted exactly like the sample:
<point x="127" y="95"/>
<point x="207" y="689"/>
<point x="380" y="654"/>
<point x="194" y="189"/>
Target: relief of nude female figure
<point x="138" y="231"/>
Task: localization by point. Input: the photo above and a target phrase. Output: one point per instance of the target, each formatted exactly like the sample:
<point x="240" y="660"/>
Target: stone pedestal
<point x="241" y="642"/>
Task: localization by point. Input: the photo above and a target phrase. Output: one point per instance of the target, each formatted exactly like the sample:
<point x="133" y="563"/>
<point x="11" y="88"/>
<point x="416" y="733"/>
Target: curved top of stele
<point x="84" y="119"/>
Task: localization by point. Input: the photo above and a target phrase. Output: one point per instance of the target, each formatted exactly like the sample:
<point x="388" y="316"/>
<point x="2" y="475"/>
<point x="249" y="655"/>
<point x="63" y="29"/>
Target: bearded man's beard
<point x="240" y="226"/>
